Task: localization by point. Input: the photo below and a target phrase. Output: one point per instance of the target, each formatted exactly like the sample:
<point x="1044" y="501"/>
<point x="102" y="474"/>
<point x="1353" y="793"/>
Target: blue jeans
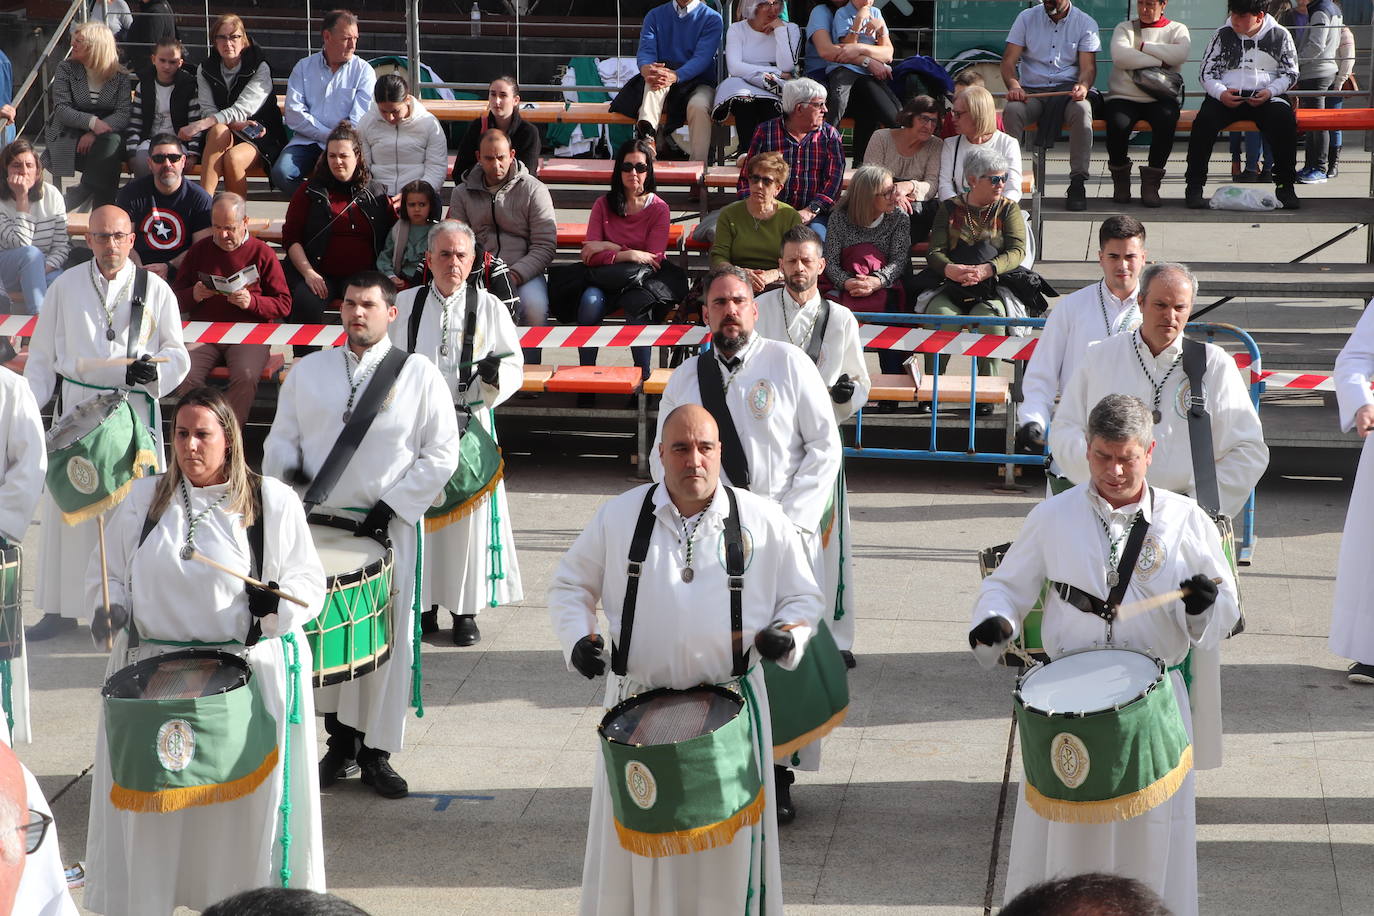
<point x="21" y="270"/>
<point x="293" y="167"/>
<point x="532" y="311"/>
<point x="591" y="309"/>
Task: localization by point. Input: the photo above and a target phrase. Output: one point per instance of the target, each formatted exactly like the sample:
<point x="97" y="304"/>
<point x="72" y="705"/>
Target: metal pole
<point x="413" y="46"/>
<point x="57" y="36"/>
<point x="518" y="55"/>
<point x="309" y="35"/>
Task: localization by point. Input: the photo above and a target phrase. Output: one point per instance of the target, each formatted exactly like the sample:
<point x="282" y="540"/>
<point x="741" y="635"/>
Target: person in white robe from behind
<point x="147" y="863"/>
<point x="1077" y="538"/>
<point x="682" y="638"/>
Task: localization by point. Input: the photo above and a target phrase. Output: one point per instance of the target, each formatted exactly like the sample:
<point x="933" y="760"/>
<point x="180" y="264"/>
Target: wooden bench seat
<point x="598" y="171"/>
<point x="898" y="387"/>
<point x="727" y="176"/>
<point x="1308" y="119"/>
<point x="572" y="235"/>
<point x="955" y="389"/>
<point x="657" y="381"/>
<point x="594" y="380"/>
<point x="536" y="377"/>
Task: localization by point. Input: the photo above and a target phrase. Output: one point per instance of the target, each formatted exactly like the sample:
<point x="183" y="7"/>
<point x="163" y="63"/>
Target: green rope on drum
<point x="416" y="670"/>
<point x="841" y="509"/>
<point x="6" y="694"/>
<point x="497" y="559"/>
<point x="757" y="836"/>
<point x="293" y="717"/>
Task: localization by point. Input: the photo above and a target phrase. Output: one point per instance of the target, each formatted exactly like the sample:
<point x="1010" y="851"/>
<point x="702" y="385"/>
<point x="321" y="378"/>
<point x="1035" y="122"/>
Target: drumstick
<point x="473" y="362"/>
<point x="197" y="555"/>
<point x="1146" y="604"/>
<point x="104" y="583"/>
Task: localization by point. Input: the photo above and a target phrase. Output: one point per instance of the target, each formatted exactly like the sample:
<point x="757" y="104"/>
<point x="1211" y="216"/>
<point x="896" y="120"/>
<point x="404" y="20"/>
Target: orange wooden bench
<point x="594" y="380"/>
<point x="598" y="171"/>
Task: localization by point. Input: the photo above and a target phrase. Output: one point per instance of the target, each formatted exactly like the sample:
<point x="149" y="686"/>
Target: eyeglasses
<point x="160" y="158"/>
<point x="928" y="119"/>
<point x="996" y="180"/>
<point x="34" y="831"/>
<point x="115" y="237"/>
<point x="228" y="38"/>
<point x="640" y="167"/>
<point x="888" y="192"/>
<point x="959" y="112"/>
<point x="814" y="103"/>
<point x="760" y="179"/>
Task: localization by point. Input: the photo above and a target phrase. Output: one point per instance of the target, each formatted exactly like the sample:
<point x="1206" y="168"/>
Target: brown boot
<point x="1150" y="179"/>
<point x="1121" y="181"/>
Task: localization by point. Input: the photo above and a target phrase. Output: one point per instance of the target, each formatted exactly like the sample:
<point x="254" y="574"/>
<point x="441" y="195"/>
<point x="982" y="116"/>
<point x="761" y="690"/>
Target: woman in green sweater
<point x="749" y="232"/>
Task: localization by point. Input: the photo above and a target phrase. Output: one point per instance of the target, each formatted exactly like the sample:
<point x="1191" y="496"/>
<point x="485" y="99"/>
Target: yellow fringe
<point x="786" y="750"/>
<point x="142" y="460"/>
<point x="467" y="508"/>
<point x="1109" y="810"/>
<point x="169" y="800"/>
<point x="698" y="839"/>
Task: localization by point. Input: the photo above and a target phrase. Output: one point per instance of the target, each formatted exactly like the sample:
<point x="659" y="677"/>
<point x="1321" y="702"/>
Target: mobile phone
<point x="253" y="131"/>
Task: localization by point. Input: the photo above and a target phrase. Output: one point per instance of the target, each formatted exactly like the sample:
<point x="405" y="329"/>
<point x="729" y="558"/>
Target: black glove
<point x="1202" y="593"/>
<point x="261" y="602"/>
<point x="375" y="524"/>
<point x="296" y="477"/>
<point x="141" y="371"/>
<point x="488" y="367"/>
<point x="1030" y="438"/>
<point x="102" y="624"/>
<point x="991" y="632"/>
<point x="843" y="390"/>
<point x="586" y="656"/>
<point x="773" y="642"/>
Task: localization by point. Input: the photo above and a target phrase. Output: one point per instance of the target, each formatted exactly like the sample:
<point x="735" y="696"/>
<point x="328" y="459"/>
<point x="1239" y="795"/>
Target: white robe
<point x="147" y="864"/>
<point x="1075" y="322"/>
<point x="71" y="329"/>
<point x="460" y="573"/>
<point x="1160" y="846"/>
<point x="1352" y="616"/>
<point x="25" y="462"/>
<point x="1110" y="367"/>
<point x="43" y="885"/>
<point x="407" y="456"/>
<point x="842" y="353"/>
<point x="682" y="638"/>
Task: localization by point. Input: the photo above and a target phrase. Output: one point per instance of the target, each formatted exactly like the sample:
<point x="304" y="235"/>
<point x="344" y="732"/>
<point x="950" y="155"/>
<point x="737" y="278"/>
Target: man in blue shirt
<point x="1055" y="45"/>
<point x="677" y="71"/>
<point x="168" y="213"/>
<point x="324" y="89"/>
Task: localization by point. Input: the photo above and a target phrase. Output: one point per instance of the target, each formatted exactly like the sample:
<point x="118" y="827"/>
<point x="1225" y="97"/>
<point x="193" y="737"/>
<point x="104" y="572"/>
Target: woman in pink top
<point x="623" y="265"/>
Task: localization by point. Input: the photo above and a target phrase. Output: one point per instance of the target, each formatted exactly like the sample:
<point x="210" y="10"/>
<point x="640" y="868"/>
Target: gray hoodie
<point x="1318" y="41"/>
<point x="515" y="222"/>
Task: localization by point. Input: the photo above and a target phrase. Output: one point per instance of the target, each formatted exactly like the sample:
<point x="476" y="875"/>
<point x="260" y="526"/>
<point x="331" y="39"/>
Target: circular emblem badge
<point x="761" y="399"/>
<point x="745" y="536"/>
<point x="82" y="474"/>
<point x="1069" y="757"/>
<point x="176" y="744"/>
<point x="641" y="785"/>
<point x="1151" y="559"/>
<point x="1185" y="391"/>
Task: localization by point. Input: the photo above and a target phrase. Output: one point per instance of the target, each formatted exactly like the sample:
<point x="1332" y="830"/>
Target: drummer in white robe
<point x="828" y="334"/>
<point x="1076" y="322"/>
<point x="25" y="461"/>
<point x="1352" y="617"/>
<point x="678" y="644"/>
<point x="86" y="320"/>
<point x="149" y="863"/>
<point x="779" y="405"/>
<point x="408" y="454"/>
<point x="1076" y="538"/>
<point x="470" y="563"/>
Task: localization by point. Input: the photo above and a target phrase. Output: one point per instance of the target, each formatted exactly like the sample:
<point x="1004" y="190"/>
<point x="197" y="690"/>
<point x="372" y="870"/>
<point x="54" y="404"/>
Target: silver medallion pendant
<point x="1113" y="578"/>
<point x="1157" y="415"/>
<point x="187" y="551"/>
<point x="443" y="349"/>
<point x="109" y="334"/>
<point x="347" y="414"/>
<point x="687" y="574"/>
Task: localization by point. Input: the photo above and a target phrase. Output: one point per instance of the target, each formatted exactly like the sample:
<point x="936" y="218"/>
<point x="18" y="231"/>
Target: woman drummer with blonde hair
<point x="152" y="851"/>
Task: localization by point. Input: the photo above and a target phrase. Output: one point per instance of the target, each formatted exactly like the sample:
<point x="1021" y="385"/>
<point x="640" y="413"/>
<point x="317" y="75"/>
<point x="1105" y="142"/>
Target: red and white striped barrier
<point x="1303" y="381"/>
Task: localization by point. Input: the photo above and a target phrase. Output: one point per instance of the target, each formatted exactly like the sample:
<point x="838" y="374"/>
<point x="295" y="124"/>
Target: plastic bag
<point x="1237" y="197"/>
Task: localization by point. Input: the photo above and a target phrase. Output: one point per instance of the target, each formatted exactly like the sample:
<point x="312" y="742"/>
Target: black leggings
<point x="749" y="115"/>
<point x="1275" y="119"/>
<point x="868" y="101"/>
<point x="1122" y="115"/>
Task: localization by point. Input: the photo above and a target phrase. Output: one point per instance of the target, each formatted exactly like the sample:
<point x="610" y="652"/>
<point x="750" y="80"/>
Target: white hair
<point x="800" y="91"/>
<point x="451" y="225"/>
<point x="12" y="840"/>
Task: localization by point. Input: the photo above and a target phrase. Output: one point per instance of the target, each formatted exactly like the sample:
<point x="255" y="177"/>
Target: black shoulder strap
<point x="1091" y="604"/>
<point x="813" y="346"/>
<point x="417" y="309"/>
<point x="469" y="333"/>
<point x="711" y="387"/>
<point x="356" y="428"/>
<point x="734" y="568"/>
<point x="639" y="549"/>
<point x="255" y="551"/>
<point x="1205" y="488"/>
<point x="136" y="306"/>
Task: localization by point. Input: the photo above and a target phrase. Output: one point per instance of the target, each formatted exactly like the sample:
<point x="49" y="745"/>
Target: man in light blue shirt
<point x="1055" y="45"/>
<point x="324" y="89"/>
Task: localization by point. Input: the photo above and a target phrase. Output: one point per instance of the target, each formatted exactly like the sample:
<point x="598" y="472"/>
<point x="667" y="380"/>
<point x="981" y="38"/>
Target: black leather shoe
<point x="1287" y="197"/>
<point x="783" y="779"/>
<point x="1077" y="198"/>
<point x="1360" y="673"/>
<point x="429" y="621"/>
<point x="848" y="657"/>
<point x="51" y="625"/>
<point x="335" y="766"/>
<point x="385" y="781"/>
<point x="465" y="632"/>
<point x="1193" y="199"/>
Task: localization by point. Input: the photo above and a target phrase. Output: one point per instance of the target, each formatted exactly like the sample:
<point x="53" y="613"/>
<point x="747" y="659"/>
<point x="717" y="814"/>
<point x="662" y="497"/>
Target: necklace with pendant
<point x="109" y="312"/>
<point x="354" y="384"/>
<point x="689" y="533"/>
<point x="1157" y="386"/>
<point x="1114" y="549"/>
<point x="193" y="520"/>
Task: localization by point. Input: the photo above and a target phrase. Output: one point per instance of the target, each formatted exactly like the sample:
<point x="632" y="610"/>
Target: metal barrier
<point x="1010" y="348"/>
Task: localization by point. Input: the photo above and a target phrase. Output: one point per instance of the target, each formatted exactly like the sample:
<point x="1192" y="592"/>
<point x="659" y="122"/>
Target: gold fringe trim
<point x="142" y="460"/>
<point x="169" y="800"/>
<point x="698" y="839"/>
<point x="786" y="750"/>
<point x="467" y="508"/>
<point x="1110" y="810"/>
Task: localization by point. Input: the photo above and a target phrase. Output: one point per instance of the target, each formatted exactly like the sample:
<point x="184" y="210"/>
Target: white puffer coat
<point x="400" y="153"/>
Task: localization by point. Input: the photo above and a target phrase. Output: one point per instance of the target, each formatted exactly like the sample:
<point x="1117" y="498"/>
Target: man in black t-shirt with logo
<point x="167" y="212"/>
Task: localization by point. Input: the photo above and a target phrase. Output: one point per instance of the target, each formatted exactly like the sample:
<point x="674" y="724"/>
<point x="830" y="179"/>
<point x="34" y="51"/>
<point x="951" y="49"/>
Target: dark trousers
<point x="1122" y="115"/>
<point x="100" y="167"/>
<point x="1315" y="144"/>
<point x="350" y="742"/>
<point x="865" y="99"/>
<point x="1275" y="119"/>
<point x="306" y="307"/>
<point x="749" y="115"/>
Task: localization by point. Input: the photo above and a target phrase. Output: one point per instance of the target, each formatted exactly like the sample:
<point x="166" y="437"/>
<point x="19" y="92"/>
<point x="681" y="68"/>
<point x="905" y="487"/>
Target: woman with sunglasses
<point x="92" y="101"/>
<point x="749" y="232"/>
<point x="760" y="53"/>
<point x="975" y="117"/>
<point x="623" y="267"/>
<point x="912" y="154"/>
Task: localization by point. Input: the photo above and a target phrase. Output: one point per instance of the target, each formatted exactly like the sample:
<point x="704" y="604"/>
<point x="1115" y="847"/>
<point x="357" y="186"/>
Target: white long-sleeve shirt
<point x="782" y="318"/>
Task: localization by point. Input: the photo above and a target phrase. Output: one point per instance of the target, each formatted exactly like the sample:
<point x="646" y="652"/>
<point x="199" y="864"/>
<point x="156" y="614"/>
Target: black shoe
<point x="76" y="197"/>
<point x="1192" y="197"/>
<point x="783" y="779"/>
<point x="429" y="621"/>
<point x="1249" y="176"/>
<point x="1360" y="673"/>
<point x="848" y="657"/>
<point x="983" y="410"/>
<point x="385" y="781"/>
<point x="465" y="632"/>
<point x="334" y="765"/>
<point x="1077" y="198"/>
<point x="1287" y="196"/>
<point x="51" y="625"/>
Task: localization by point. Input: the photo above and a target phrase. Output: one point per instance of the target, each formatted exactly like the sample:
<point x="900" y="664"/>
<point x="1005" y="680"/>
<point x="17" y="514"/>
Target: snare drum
<point x="480" y="469"/>
<point x="94" y="454"/>
<point x="810" y="701"/>
<point x="353" y="634"/>
<point x="681" y="768"/>
<point x="184" y="729"/>
<point x="1102" y="738"/>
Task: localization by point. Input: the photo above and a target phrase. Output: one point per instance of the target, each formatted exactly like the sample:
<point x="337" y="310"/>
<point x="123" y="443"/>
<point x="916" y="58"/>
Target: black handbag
<point x="1160" y="83"/>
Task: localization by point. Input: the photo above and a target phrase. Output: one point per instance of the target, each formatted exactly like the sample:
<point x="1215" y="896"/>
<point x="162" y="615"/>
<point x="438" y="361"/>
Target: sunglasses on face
<point x="996" y="180"/>
<point x="161" y="158"/>
<point x="760" y="179"/>
<point x="640" y="167"/>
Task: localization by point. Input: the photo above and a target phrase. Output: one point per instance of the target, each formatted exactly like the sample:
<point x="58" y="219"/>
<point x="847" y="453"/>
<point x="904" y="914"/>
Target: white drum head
<point x="340" y="552"/>
<point x="1089" y="681"/>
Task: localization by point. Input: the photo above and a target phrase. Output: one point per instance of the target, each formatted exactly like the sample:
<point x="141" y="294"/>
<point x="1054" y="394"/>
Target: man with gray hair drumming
<point x="1113" y="549"/>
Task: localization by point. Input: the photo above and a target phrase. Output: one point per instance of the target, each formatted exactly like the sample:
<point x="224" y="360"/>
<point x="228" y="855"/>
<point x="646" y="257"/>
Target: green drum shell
<point x="344" y="647"/>
<point x="479" y="463"/>
<point x="810" y="701"/>
<point x="11" y="601"/>
<point x="110" y="455"/>
<point x="695" y="783"/>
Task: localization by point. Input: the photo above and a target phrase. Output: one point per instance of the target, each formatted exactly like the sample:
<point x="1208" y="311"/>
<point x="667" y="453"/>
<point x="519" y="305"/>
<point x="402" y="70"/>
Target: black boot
<point x="51" y="625"/>
<point x="377" y="773"/>
<point x="1121" y="181"/>
<point x="1333" y="161"/>
<point x="76" y="196"/>
<point x="465" y="632"/>
<point x="782" y="780"/>
<point x="429" y="620"/>
<point x="1077" y="198"/>
<point x="1192" y="196"/>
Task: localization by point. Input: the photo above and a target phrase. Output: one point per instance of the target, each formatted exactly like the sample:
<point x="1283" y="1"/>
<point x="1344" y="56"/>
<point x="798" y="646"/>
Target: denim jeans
<point x="22" y="271"/>
<point x="532" y="311"/>
<point x="293" y="167"/>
